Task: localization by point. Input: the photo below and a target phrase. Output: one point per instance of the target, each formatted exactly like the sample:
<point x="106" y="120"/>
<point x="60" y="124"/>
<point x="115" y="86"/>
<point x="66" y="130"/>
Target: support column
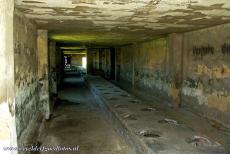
<point x="43" y="72"/>
<point x="52" y="74"/>
<point x="52" y="67"/>
<point x="89" y="61"/>
<point x="8" y="137"/>
<point x="117" y="64"/>
<point x="176" y="66"/>
<point x="58" y="66"/>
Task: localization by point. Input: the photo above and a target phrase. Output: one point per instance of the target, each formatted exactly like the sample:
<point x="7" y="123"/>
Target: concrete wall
<point x="43" y="72"/>
<point x="53" y="75"/>
<point x="124" y="64"/>
<point x="206" y="73"/>
<point x="99" y="62"/>
<point x="7" y="95"/>
<point x="190" y="69"/>
<point x="26" y="67"/>
<point x="59" y="67"/>
<point x="93" y="61"/>
<point x="146" y="67"/>
<point x="89" y="61"/>
<point x="106" y="63"/>
<point x="53" y="68"/>
<point x="77" y="59"/>
<point x="96" y="59"/>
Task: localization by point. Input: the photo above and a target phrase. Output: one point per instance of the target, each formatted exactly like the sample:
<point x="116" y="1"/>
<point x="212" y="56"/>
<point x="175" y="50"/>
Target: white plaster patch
<point x="197" y="93"/>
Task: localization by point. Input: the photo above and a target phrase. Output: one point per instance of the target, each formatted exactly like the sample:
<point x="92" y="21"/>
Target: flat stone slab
<point x="148" y="130"/>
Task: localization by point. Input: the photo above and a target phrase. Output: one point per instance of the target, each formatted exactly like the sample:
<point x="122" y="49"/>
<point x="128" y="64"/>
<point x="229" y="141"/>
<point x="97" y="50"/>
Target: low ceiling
<point x="119" y="22"/>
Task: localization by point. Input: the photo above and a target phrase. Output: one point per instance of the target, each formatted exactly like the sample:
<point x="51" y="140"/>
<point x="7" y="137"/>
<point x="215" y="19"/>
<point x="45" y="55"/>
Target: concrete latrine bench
<point x="146" y="129"/>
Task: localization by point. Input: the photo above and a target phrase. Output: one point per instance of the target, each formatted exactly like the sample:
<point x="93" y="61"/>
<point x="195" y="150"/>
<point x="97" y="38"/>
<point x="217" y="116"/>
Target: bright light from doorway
<point x="84" y="62"/>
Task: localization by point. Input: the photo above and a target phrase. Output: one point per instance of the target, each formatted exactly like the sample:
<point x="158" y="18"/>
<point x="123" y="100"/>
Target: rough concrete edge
<point x="131" y="139"/>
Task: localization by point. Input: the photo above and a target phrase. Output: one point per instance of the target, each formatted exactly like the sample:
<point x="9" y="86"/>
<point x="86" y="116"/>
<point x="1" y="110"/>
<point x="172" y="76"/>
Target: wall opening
<point x="84" y="62"/>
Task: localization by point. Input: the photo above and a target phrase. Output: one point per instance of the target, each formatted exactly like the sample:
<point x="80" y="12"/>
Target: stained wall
<point x="186" y="69"/>
<point x="206" y="73"/>
<point x="26" y="68"/>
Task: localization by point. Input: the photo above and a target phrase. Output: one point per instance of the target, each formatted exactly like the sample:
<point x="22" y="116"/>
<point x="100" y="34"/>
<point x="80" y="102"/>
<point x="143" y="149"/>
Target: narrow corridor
<point x="115" y="76"/>
<point x="78" y="122"/>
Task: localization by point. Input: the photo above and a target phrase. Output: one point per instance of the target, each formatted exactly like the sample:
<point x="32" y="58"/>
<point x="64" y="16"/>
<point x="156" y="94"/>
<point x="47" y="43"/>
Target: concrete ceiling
<point x="118" y="22"/>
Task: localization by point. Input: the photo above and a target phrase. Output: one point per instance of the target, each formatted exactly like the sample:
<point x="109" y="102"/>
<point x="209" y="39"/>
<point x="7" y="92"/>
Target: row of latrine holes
<point x="196" y="140"/>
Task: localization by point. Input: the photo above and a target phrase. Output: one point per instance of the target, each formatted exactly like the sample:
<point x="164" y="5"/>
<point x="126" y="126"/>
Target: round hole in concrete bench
<point x="107" y="93"/>
<point x="131" y="117"/>
<point x="149" y="109"/>
<point x="134" y="101"/>
<point x="200" y="141"/>
<point x="125" y="95"/>
<point x="121" y="106"/>
<point x="113" y="98"/>
<point x="168" y="121"/>
<point x="116" y="91"/>
<point x="150" y="133"/>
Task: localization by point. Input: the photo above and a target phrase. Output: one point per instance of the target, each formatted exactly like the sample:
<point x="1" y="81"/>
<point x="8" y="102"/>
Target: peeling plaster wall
<point x="189" y="69"/>
<point x="8" y="135"/>
<point x="26" y="81"/>
<point x="119" y="22"/>
<point x="206" y="81"/>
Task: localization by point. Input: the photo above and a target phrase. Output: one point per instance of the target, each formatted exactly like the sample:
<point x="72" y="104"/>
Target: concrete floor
<point x="78" y="121"/>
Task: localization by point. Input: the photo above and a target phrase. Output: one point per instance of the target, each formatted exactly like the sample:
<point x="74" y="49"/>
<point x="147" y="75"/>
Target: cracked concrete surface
<point x="78" y="121"/>
<point x="119" y="22"/>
